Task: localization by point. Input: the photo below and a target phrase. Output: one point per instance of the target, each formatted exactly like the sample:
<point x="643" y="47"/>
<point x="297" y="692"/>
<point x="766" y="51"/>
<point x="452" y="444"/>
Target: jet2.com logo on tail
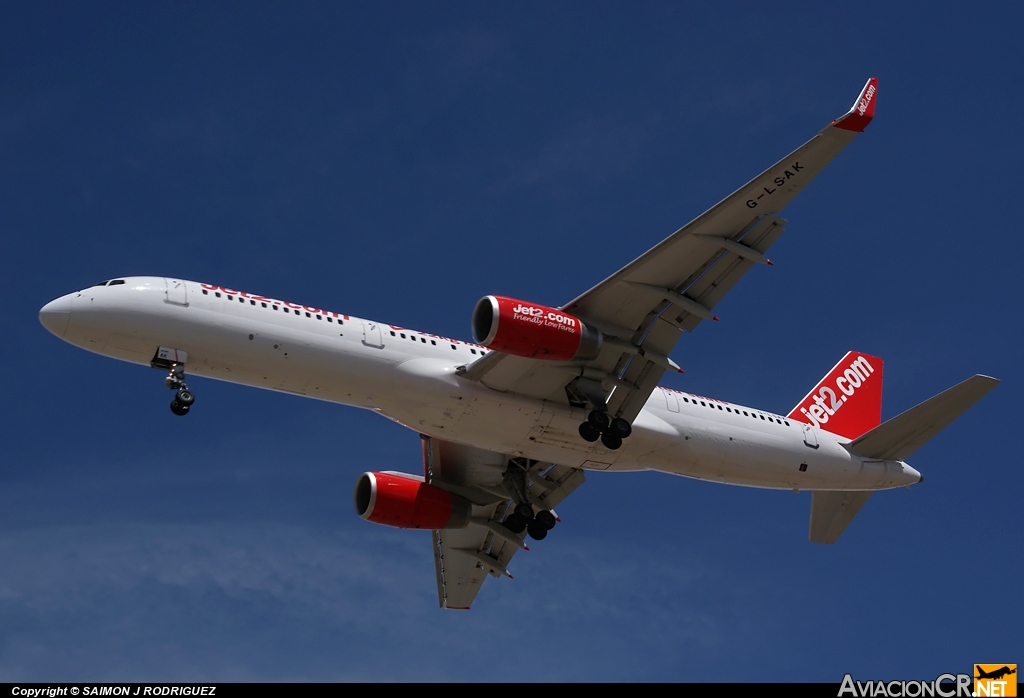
<point x="990" y="680"/>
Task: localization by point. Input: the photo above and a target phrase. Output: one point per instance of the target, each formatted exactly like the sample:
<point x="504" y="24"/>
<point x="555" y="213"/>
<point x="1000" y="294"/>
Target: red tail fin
<point x="848" y="401"/>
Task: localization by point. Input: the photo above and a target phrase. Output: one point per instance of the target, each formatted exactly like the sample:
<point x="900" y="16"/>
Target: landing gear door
<point x="372" y="335"/>
<point x="176" y="292"/>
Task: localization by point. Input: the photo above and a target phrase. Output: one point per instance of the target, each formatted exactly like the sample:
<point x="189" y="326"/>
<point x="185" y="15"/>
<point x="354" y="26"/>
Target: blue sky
<point x="399" y="161"/>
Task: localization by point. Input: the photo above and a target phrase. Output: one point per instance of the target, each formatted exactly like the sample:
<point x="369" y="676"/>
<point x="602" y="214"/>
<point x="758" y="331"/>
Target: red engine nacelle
<point x="532" y="330"/>
<point x="406" y="501"/>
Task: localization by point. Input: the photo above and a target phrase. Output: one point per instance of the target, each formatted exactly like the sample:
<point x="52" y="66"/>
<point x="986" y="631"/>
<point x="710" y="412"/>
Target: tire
<point x="620" y="427"/>
<point x="546" y="519"/>
<point x="524" y="512"/>
<point x="611" y="441"/>
<point x="185" y="397"/>
<point x="536" y="531"/>
<point x="178" y="408"/>
<point x="598" y="419"/>
<point x="515" y="524"/>
<point x="589" y="432"/>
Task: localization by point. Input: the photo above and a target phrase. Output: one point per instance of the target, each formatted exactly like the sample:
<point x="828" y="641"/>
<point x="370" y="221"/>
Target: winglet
<point x="863" y="109"/>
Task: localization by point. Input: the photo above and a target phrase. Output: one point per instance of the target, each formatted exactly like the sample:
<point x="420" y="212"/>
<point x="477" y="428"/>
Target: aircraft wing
<point x="464" y="557"/>
<point x="675" y="285"/>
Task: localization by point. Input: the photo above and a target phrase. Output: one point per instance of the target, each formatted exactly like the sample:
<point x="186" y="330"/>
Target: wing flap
<point x="465" y="557"/>
<point x="709" y="288"/>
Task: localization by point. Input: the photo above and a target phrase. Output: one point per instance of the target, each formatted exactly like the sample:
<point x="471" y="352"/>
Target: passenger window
<point x="252" y="302"/>
<point x="329" y="320"/>
<point x="392" y="333"/>
<point x="431" y="341"/>
<point x="263" y="304"/>
<point x="217" y="294"/>
<point x="274" y="307"/>
<point x="423" y="340"/>
<point x="762" y="417"/>
<point x="719" y="407"/>
<point x="308" y="315"/>
<point x="205" y="292"/>
<point x="403" y="335"/>
<point x="472" y="351"/>
<point x="319" y="318"/>
<point x="453" y="346"/>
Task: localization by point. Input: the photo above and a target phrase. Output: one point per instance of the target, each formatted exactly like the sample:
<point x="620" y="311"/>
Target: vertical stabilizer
<point x="847" y="401"/>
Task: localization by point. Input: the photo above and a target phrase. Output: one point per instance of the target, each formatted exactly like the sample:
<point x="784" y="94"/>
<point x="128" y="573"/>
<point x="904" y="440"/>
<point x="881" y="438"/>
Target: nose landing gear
<point x="183" y="397"/>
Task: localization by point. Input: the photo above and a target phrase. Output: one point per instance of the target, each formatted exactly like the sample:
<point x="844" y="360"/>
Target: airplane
<point x="511" y="421"/>
<point x="995" y="673"/>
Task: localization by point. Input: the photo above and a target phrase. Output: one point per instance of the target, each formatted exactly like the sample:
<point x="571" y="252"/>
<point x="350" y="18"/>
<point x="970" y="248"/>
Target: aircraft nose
<point x="55" y="315"/>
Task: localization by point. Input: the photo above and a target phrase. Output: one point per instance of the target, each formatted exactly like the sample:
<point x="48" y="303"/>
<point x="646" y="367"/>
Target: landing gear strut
<point x="183" y="397"/>
<point x="600" y="426"/>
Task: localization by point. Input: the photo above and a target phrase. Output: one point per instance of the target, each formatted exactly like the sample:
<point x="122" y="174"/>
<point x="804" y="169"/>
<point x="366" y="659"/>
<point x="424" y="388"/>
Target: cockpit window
<point x="116" y="282"/>
<point x="102" y="283"/>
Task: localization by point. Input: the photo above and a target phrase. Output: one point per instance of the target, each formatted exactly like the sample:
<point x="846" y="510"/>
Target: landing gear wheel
<point x="545" y="519"/>
<point x="598" y="419"/>
<point x="620" y="427"/>
<point x="183" y="397"/>
<point x="611" y="441"/>
<point x="524" y="512"/>
<point x="536" y="531"/>
<point x="514" y="523"/>
<point x="589" y="432"/>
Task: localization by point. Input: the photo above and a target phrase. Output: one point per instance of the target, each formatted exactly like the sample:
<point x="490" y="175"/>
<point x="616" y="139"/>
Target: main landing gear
<point x="600" y="426"/>
<point x="183" y="397"/>
<point x="522" y="518"/>
<point x="536" y="525"/>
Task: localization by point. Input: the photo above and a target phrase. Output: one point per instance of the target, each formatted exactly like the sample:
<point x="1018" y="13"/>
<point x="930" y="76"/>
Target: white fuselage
<point x="412" y="378"/>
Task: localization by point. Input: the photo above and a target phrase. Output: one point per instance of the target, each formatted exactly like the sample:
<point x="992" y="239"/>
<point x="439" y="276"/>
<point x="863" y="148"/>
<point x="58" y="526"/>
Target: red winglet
<point x="863" y="109"/>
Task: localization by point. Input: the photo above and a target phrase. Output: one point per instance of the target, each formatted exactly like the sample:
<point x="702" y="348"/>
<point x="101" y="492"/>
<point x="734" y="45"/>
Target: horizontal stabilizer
<point x="831" y="512"/>
<point x="901" y="436"/>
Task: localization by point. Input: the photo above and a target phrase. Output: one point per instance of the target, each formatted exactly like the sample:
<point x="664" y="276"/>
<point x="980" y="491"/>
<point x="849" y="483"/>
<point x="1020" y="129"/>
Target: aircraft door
<point x="175" y="292"/>
<point x="672" y="401"/>
<point x="373" y="336"/>
<point x="810" y="438"/>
